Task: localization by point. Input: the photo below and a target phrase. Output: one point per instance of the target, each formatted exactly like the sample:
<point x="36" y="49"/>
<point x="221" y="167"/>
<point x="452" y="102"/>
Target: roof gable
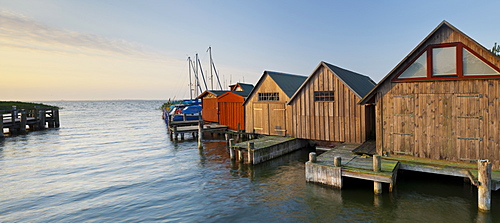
<point x="215" y="93"/>
<point x="359" y="84"/>
<point x="439" y="35"/>
<point x="289" y="83"/>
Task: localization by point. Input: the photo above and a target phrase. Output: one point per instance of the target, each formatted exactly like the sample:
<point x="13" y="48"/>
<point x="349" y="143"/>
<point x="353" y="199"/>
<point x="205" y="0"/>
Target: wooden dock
<point x="19" y="121"/>
<point x="180" y="128"/>
<point x="266" y="148"/>
<point x="332" y="166"/>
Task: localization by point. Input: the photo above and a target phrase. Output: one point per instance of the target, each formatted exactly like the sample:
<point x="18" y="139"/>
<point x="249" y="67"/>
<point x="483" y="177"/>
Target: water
<point x="112" y="161"/>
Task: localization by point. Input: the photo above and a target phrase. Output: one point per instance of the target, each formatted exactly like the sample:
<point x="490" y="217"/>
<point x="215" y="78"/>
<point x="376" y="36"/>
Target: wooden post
<point x="240" y="155"/>
<point x="231" y="149"/>
<point x="377" y="167"/>
<point x="238" y="133"/>
<point x="227" y="138"/>
<point x="182" y="136"/>
<point x="41" y="119"/>
<point x="1" y="125"/>
<point x="23" y="122"/>
<point x="337" y="161"/>
<point x="200" y="134"/>
<point x="56" y="117"/>
<point x="312" y="157"/>
<point x="175" y="132"/>
<point x="251" y="147"/>
<point x="484" y="188"/>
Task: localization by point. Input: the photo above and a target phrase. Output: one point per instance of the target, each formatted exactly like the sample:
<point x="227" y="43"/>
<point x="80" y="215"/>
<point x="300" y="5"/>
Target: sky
<point x="138" y="49"/>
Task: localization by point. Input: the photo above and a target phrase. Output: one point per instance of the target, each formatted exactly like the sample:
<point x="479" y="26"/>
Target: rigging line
<point x="212" y="66"/>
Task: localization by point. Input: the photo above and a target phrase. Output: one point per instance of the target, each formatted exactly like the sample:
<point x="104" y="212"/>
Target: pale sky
<point x="124" y="49"/>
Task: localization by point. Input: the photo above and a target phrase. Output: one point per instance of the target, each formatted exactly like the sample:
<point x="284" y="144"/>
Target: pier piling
<point x="200" y="134"/>
<point x="312" y="157"/>
<point x="250" y="151"/>
<point x="337" y="161"/>
<point x="231" y="149"/>
<point x="484" y="188"/>
<point x="377" y="167"/>
<point x="22" y="124"/>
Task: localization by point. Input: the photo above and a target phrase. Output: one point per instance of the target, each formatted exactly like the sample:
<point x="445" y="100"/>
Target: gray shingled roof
<point x="289" y="83"/>
<point x="247" y="88"/>
<point x="358" y="83"/>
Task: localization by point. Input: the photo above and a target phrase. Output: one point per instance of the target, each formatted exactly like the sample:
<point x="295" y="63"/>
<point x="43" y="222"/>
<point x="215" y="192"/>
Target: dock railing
<point x="37" y="118"/>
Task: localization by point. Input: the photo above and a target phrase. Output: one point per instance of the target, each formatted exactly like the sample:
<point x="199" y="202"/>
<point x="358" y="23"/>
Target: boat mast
<point x="190" y="83"/>
<point x="212" y="66"/>
<point x="197" y="81"/>
<point x="211" y="62"/>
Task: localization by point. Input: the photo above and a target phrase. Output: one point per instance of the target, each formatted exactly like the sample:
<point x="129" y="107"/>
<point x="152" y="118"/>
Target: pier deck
<point x="266" y="148"/>
<point x="17" y="120"/>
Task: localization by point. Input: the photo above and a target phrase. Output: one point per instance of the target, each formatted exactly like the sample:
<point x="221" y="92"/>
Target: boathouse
<point x="441" y="101"/>
<point x="266" y="110"/>
<point x="326" y="108"/>
<point x="230" y="106"/>
<point x="210" y="106"/>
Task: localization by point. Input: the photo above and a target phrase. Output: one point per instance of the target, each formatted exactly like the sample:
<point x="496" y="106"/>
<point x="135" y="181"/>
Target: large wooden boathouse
<point x="441" y="102"/>
<point x="266" y="110"/>
<point x="326" y="108"/>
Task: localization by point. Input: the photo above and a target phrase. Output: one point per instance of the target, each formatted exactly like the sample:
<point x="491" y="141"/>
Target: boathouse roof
<point x="359" y="84"/>
<point x="216" y="93"/>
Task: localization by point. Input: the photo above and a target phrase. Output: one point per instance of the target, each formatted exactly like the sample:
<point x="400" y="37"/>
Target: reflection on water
<point x="113" y="161"/>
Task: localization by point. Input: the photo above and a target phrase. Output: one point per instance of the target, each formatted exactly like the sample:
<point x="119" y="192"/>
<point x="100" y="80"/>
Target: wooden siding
<point x="231" y="111"/>
<point x="268" y="117"/>
<point x="447" y="120"/>
<point x="210" y="111"/>
<point x="342" y="120"/>
<point x="440" y="119"/>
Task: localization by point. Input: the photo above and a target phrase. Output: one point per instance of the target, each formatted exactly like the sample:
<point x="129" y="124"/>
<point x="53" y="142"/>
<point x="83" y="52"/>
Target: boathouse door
<point x="261" y="118"/>
<point x="277" y="117"/>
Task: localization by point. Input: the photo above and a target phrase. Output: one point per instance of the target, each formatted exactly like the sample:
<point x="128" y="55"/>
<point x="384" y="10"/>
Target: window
<point x="473" y="66"/>
<point x="447" y="61"/>
<point x="273" y="96"/>
<point x="323" y="96"/>
<point x="444" y="61"/>
<point x="417" y="69"/>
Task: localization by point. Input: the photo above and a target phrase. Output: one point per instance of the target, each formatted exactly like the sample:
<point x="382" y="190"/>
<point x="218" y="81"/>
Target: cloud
<point x="20" y="31"/>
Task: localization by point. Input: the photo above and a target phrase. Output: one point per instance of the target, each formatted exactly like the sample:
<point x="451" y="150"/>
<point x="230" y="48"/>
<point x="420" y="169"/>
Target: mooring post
<point x="227" y="138"/>
<point x="312" y="157"/>
<point x="337" y="161"/>
<point x="377" y="186"/>
<point x="238" y="133"/>
<point x="231" y="149"/>
<point x="240" y="155"/>
<point x="200" y="134"/>
<point x="484" y="188"/>
<point x="56" y="117"/>
<point x="1" y="125"/>
<point x="41" y="119"/>
<point x="175" y="132"/>
<point x="250" y="152"/>
<point x="23" y="122"/>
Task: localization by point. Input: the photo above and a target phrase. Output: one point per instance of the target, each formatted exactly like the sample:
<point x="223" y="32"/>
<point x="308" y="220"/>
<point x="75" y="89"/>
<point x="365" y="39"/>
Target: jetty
<point x="331" y="167"/>
<point x="259" y="150"/>
<point x="19" y="121"/>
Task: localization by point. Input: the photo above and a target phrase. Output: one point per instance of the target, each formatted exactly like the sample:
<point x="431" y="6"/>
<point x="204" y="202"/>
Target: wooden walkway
<point x="19" y="121"/>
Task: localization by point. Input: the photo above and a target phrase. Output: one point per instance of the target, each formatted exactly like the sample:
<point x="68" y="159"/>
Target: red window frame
<point x="459" y="63"/>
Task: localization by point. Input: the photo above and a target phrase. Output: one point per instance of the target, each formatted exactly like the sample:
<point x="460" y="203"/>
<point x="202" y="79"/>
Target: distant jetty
<point x="21" y="117"/>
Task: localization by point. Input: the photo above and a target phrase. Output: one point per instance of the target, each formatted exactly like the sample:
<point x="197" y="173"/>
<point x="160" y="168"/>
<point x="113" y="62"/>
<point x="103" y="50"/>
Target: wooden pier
<point x="332" y="166"/>
<point x="19" y="121"/>
<point x="263" y="149"/>
<point x="180" y="128"/>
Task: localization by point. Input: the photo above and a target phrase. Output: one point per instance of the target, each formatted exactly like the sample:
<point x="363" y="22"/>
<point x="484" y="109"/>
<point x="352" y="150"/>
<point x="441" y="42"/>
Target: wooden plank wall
<point x="210" y="111"/>
<point x="437" y="107"/>
<point x="268" y="117"/>
<point x="447" y="120"/>
<point x="231" y="111"/>
<point x="342" y="120"/>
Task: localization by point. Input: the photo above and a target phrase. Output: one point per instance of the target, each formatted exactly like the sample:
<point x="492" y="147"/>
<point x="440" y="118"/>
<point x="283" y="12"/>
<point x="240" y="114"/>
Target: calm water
<point x="112" y="161"/>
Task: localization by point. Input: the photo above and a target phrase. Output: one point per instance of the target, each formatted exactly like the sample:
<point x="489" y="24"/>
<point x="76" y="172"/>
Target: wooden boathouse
<point x="210" y="105"/>
<point x="436" y="112"/>
<point x="325" y="107"/>
<point x="441" y="102"/>
<point x="266" y="110"/>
